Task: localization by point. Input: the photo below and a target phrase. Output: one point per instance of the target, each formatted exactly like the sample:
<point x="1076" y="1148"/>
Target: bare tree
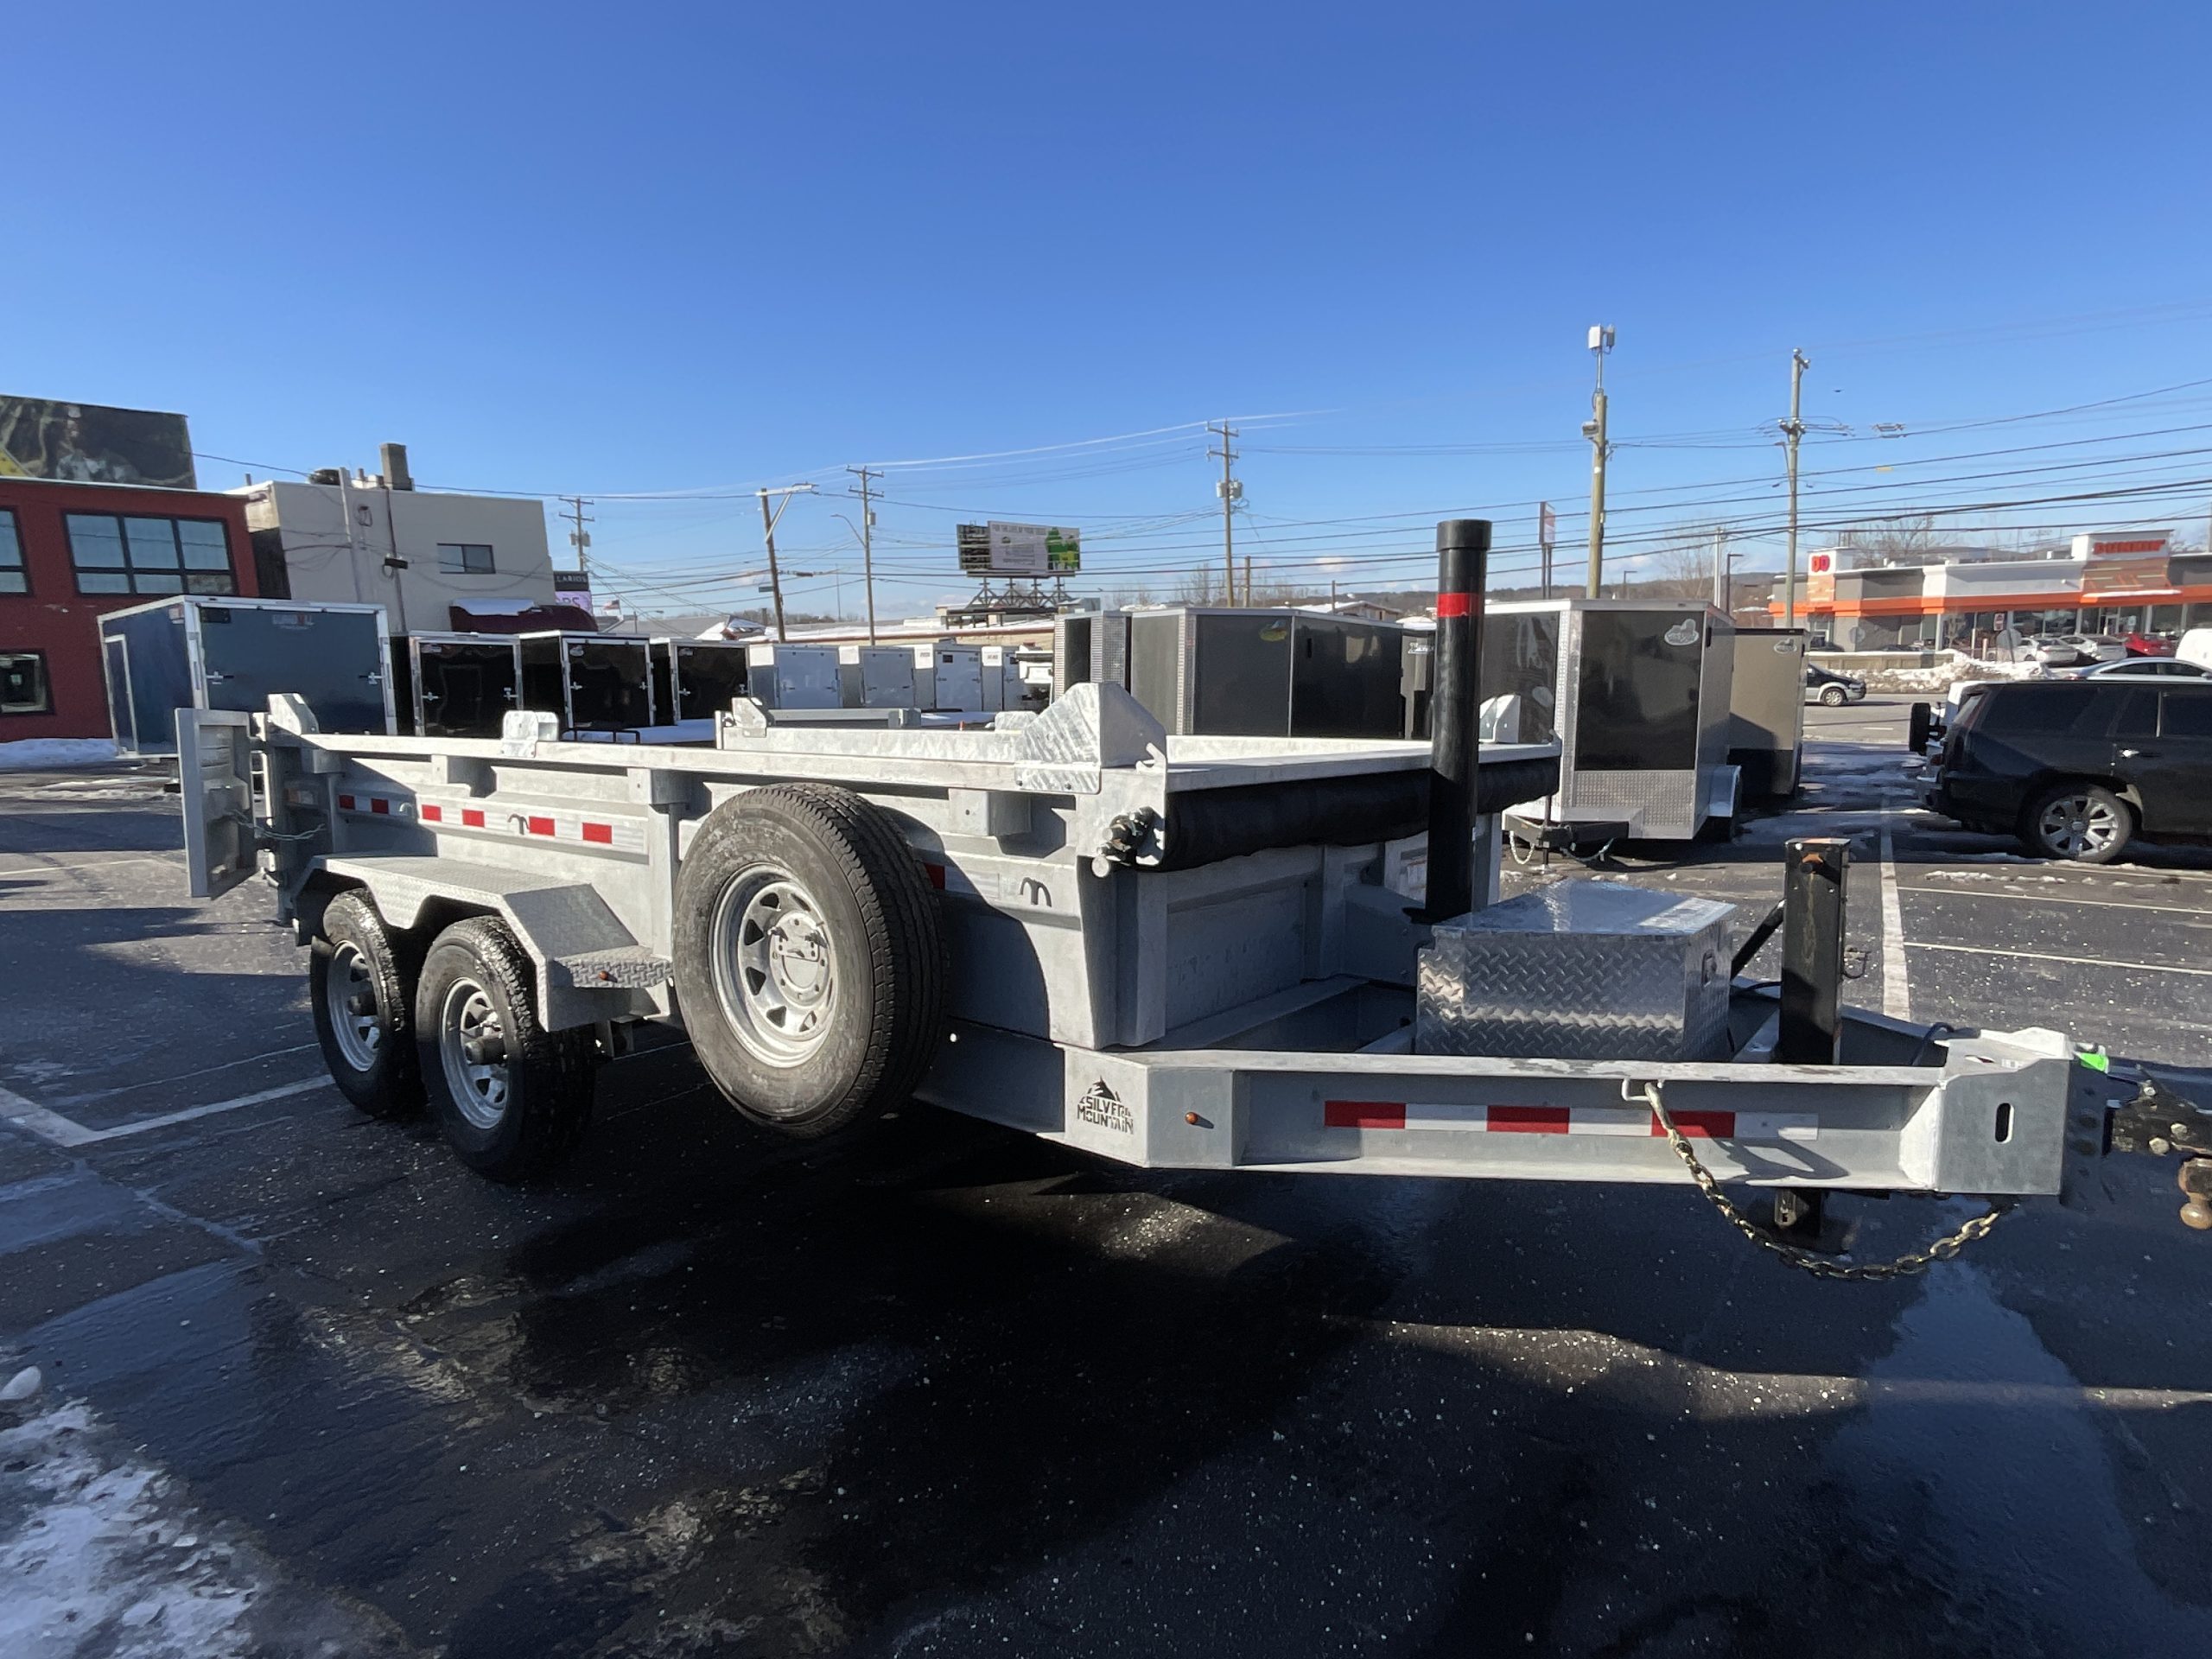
<point x="1908" y="538"/>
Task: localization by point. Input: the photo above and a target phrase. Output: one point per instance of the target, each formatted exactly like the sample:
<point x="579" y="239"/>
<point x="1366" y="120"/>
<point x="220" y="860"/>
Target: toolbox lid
<point x="1598" y="908"/>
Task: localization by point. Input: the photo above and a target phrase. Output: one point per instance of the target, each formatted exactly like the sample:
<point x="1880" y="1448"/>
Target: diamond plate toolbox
<point x="1579" y="970"/>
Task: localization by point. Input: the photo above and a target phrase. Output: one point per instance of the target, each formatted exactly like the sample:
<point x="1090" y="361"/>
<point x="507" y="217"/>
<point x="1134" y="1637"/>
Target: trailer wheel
<point x="361" y="985"/>
<point x="809" y="958"/>
<point x="512" y="1098"/>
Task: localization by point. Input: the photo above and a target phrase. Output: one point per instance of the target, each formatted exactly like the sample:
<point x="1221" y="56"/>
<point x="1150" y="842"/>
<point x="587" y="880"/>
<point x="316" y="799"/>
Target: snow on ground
<point x="100" y="1555"/>
<point x="39" y="753"/>
<point x="1944" y="676"/>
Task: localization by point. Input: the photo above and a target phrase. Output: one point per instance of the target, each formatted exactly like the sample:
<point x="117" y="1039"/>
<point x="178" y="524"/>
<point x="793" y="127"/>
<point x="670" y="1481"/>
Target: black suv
<point x="2076" y="767"/>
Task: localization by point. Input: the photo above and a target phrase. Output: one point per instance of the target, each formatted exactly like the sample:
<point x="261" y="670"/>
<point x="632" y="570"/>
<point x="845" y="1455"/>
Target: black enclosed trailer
<point x="203" y="652"/>
<point x="459" y="684"/>
<point x="590" y="681"/>
<point x="695" y="679"/>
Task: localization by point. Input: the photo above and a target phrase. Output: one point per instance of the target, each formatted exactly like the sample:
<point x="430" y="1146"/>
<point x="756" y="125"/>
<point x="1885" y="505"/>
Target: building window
<point x="13" y="578"/>
<point x="23" y="688"/>
<point x="464" y="558"/>
<point x="136" y="554"/>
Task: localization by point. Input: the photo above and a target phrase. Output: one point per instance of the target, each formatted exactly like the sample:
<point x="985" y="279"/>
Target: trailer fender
<point x="589" y="968"/>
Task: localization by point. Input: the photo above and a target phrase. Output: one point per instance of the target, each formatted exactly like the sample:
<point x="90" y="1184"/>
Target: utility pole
<point x="768" y="530"/>
<point x="1723" y="594"/>
<point x="1230" y="492"/>
<point x="1248" y="579"/>
<point x="867" y="541"/>
<point x="1792" y="431"/>
<point x="1601" y="341"/>
<point x="579" y="538"/>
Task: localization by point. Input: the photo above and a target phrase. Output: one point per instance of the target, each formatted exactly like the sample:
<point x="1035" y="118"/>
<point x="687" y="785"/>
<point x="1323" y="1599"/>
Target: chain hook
<point x="1902" y="1266"/>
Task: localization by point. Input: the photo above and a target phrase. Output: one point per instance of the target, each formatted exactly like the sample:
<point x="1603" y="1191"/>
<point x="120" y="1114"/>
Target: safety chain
<point x="1820" y="1267"/>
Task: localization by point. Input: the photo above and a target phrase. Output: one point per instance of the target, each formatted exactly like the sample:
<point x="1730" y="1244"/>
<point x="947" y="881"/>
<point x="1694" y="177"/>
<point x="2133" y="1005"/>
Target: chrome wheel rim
<point x="775" y="973"/>
<point x="472" y="1044"/>
<point x="350" y="996"/>
<point x="2075" y="826"/>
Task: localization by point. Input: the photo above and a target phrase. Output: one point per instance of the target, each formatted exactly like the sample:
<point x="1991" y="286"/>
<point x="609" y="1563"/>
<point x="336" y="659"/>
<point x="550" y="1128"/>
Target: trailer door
<point x="214" y="769"/>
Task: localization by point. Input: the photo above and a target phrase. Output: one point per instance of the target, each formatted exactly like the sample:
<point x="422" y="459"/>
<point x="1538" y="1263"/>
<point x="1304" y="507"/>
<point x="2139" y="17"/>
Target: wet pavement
<point x="309" y="1388"/>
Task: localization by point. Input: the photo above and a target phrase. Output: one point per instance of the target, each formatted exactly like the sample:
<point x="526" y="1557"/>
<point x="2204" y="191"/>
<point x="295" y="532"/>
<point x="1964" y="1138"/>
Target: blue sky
<point x="693" y="250"/>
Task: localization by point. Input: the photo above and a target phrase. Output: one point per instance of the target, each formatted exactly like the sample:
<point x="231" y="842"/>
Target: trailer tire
<point x="370" y="1050"/>
<point x="512" y="1098"/>
<point x="808" y="957"/>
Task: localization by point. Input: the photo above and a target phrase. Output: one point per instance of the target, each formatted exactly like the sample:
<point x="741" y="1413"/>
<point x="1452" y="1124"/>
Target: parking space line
<point x="66" y="1132"/>
<point x="2056" y="899"/>
<point x="2045" y="955"/>
<point x="1896" y="988"/>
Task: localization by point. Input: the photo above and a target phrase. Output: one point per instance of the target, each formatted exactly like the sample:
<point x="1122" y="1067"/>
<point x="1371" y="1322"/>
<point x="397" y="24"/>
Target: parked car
<point x="2142" y="643"/>
<point x="1826" y="685"/>
<point x="2140" y="668"/>
<point x="2076" y="768"/>
<point x="2078" y="650"/>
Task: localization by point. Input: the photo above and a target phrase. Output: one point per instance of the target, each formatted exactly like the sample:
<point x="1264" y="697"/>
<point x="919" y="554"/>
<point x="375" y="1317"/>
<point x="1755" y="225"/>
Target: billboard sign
<point x="2128" y="563"/>
<point x="1005" y="550"/>
<point x="90" y="443"/>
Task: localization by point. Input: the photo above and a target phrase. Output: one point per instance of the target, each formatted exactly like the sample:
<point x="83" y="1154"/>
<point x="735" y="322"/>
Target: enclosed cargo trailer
<point x="589" y="682"/>
<point x="793" y="676"/>
<point x="1636" y="693"/>
<point x="202" y="652"/>
<point x="1281" y="673"/>
<point x="1766" y="710"/>
<point x="697" y="679"/>
<point x="460" y="684"/>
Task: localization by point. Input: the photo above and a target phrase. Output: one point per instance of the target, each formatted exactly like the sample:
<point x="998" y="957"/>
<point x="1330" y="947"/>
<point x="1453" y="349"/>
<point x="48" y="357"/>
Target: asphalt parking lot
<point x="311" y="1388"/>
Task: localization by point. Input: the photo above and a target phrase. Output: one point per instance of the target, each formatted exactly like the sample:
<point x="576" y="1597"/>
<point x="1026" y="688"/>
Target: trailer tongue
<point x="1190" y="952"/>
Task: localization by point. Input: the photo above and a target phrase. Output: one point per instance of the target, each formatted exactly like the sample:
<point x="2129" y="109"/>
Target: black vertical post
<point x="1813" y="870"/>
<point x="1462" y="557"/>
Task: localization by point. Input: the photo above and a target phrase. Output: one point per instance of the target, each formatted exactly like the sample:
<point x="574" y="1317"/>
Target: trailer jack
<point x="2160" y="1123"/>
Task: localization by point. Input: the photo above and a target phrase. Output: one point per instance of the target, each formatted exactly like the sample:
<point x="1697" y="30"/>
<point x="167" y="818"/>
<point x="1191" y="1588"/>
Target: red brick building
<point x="69" y="553"/>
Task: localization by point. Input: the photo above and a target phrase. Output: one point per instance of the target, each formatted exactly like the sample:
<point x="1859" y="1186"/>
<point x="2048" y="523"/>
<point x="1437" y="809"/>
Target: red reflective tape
<point x="1527" y="1120"/>
<point x="1454" y="604"/>
<point x="471" y="818"/>
<point x="1701" y="1126"/>
<point x="378" y="804"/>
<point x="936" y="875"/>
<point x="602" y="833"/>
<point x="345" y="803"/>
<point x="1363" y="1114"/>
<point x="540" y="826"/>
<point x="433" y="813"/>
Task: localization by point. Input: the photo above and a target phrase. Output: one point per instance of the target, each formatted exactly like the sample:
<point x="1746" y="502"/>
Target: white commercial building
<point x="425" y="556"/>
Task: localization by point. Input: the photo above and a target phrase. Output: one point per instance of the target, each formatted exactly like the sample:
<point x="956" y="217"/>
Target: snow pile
<point x="41" y="753"/>
<point x="1944" y="676"/>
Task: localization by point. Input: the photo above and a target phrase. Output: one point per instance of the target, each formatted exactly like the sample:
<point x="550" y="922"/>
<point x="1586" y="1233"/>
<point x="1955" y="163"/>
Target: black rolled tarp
<point x="1207" y="825"/>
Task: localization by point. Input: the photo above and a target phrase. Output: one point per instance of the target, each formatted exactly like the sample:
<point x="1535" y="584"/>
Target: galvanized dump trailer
<point x="1175" y="952"/>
